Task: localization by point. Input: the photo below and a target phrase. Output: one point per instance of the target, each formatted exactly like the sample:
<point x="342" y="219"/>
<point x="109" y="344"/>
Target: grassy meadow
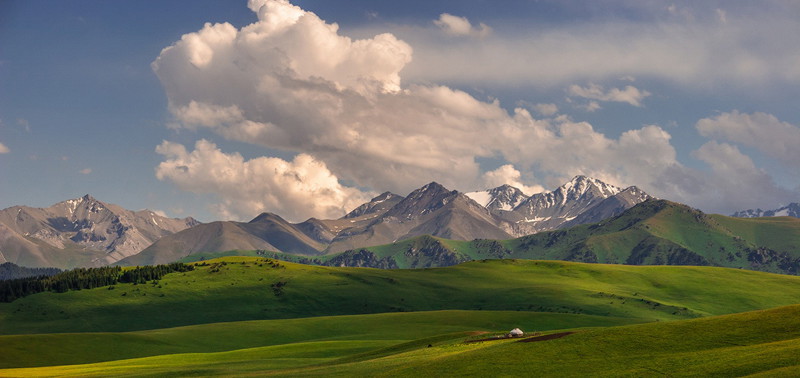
<point x="250" y="315"/>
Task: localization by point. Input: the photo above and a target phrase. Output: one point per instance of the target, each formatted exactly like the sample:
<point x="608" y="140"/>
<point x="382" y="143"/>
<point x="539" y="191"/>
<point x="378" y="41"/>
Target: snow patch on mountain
<point x="791" y="210"/>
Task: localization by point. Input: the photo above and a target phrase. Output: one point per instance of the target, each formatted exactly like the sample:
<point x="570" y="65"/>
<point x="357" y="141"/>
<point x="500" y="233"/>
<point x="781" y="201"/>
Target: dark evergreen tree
<point x="85" y="278"/>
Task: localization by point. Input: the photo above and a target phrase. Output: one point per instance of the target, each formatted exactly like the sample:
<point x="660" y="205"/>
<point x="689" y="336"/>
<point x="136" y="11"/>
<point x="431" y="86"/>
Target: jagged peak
<point x="267" y="216"/>
<point x="373" y="204"/>
<point x="86" y="201"/>
<point x="424" y="200"/>
<point x="580" y="184"/>
<point x="85" y="198"/>
<point x="635" y="190"/>
<point x="432" y="186"/>
<point x="506" y="188"/>
<point x="383" y="197"/>
<point x="431" y="190"/>
<point x="791" y="210"/>
<point x="191" y="222"/>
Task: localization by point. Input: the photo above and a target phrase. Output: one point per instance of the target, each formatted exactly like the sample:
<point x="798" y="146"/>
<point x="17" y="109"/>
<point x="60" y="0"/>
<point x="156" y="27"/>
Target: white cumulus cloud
<point x="630" y="94"/>
<point x="291" y="82"/>
<point x="4" y="149"/>
<point x="297" y="189"/>
<point x="546" y="109"/>
<point x="507" y="174"/>
<point x="735" y="182"/>
<point x="455" y="25"/>
<point x="765" y="132"/>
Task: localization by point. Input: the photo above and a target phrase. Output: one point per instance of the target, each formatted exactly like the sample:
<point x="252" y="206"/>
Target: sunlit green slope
<point x="763" y="342"/>
<point x="248" y="288"/>
<point x="377" y="330"/>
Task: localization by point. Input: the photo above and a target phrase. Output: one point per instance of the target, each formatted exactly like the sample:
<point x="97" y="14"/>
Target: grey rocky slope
<point x="790" y="210"/>
<point x="430" y="210"/>
<point x="80" y="232"/>
<point x="267" y="231"/>
<point x="500" y="213"/>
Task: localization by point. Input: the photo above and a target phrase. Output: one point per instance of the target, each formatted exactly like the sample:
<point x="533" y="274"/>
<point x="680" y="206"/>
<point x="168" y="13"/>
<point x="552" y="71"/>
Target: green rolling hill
<point x="765" y="343"/>
<point x="251" y="315"/>
<point x="247" y="288"/>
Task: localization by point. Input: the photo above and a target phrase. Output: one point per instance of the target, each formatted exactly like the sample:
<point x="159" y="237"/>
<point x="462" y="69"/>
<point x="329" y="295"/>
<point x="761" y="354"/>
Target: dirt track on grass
<point x="533" y="339"/>
<point x="551" y="336"/>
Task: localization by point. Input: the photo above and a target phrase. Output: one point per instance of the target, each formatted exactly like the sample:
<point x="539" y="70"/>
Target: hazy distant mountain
<point x="265" y="232"/>
<point x="80" y="232"/>
<point x="791" y="210"/>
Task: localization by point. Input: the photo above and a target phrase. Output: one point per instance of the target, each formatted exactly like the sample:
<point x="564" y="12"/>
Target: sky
<point x="223" y="109"/>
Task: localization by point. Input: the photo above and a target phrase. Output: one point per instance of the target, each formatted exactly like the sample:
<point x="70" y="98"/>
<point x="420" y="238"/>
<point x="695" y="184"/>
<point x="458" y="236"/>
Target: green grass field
<point x="256" y="316"/>
<point x="247" y="288"/>
<point x="765" y="342"/>
<point x="385" y="329"/>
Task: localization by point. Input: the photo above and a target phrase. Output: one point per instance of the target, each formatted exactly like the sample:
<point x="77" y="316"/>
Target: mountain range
<point x="579" y="201"/>
<point x="425" y="227"/>
<point x="655" y="232"/>
<point x="80" y="232"/>
<point x="500" y="213"/>
<point x="791" y="210"/>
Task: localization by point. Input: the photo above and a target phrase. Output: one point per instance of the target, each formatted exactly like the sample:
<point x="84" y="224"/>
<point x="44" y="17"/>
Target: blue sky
<point x="284" y="111"/>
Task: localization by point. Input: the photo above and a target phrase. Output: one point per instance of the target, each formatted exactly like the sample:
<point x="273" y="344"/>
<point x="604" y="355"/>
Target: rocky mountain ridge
<point x="655" y="232"/>
<point x="502" y="213"/>
<point x="80" y="232"/>
<point x="88" y="232"/>
<point x="579" y="201"/>
<point x="790" y="210"/>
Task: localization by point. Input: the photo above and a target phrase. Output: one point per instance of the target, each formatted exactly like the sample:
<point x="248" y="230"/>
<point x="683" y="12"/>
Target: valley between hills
<point x="603" y="281"/>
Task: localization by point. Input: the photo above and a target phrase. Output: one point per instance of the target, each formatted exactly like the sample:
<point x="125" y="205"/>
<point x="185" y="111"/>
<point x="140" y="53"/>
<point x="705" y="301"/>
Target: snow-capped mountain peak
<point x="790" y="210"/>
<point x="504" y="197"/>
<point x="580" y="185"/>
<point x="572" y="203"/>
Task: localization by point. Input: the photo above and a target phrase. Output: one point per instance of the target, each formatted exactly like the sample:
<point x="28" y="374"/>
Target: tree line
<point x="85" y="278"/>
<point x="10" y="271"/>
